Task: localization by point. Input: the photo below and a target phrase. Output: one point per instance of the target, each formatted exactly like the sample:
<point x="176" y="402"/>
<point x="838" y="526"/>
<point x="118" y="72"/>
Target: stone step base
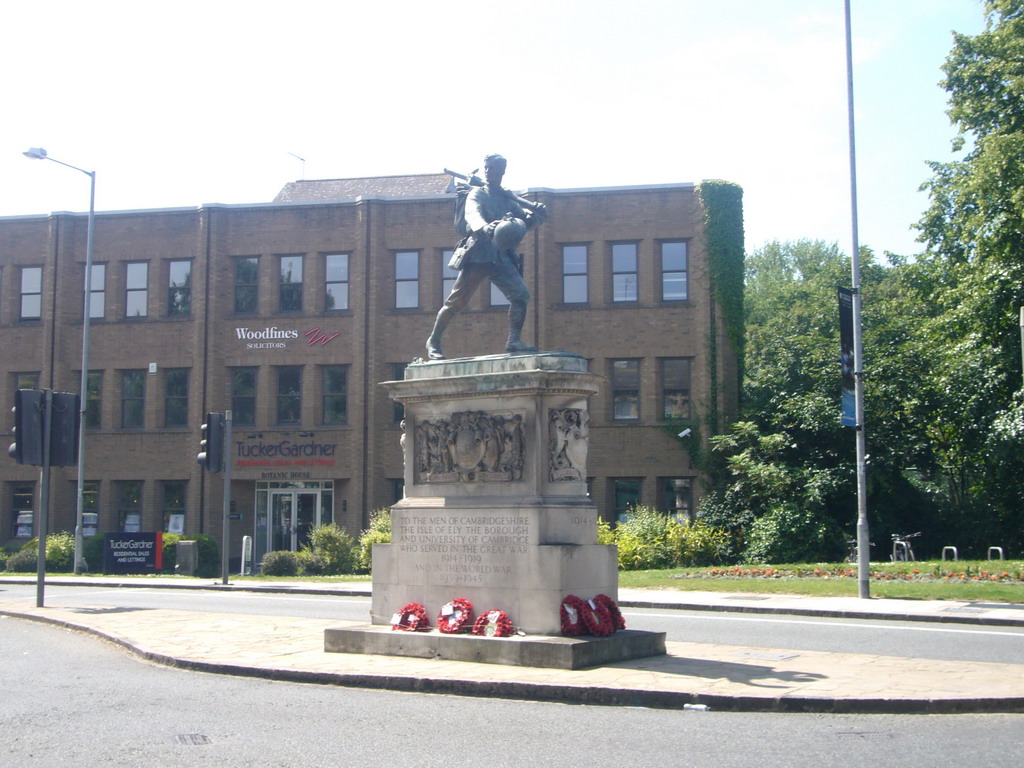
<point x="518" y="650"/>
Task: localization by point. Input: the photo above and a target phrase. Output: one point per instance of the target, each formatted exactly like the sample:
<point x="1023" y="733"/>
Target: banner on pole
<point x="849" y="384"/>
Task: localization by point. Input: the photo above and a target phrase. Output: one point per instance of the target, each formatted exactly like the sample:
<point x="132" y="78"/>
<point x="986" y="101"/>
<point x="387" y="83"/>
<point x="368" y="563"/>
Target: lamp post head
<point x="36" y="153"/>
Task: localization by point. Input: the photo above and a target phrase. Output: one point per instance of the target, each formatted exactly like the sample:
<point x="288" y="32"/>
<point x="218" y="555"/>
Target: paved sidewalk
<point x="721" y="677"/>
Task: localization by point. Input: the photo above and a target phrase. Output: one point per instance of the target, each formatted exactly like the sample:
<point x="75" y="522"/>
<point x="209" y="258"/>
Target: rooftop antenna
<point x="303" y="164"/>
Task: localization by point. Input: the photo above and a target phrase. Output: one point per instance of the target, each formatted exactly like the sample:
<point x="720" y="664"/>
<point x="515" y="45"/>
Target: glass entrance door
<point x="293" y="514"/>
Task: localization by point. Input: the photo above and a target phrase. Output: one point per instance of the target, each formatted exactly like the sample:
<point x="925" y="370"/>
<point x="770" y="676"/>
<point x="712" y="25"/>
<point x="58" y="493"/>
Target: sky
<point x="215" y="101"/>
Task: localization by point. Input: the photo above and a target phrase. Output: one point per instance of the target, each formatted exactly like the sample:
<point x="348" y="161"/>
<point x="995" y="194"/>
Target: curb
<point x="831" y="613"/>
<point x="562" y="694"/>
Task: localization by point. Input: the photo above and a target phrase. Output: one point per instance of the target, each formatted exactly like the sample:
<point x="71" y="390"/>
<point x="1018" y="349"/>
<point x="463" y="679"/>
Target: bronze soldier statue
<point x="494" y="221"/>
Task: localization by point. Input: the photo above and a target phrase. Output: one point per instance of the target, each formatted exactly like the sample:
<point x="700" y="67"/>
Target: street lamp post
<point x="38" y="153"/>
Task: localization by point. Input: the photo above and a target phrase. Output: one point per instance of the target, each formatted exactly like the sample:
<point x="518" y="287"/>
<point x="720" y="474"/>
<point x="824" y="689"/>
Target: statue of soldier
<point x="495" y="221"/>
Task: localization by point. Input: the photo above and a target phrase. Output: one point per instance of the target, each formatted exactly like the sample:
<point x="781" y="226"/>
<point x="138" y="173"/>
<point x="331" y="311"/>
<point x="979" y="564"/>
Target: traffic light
<point x="211" y="447"/>
<point x="27" y="447"/>
<point x="64" y="429"/>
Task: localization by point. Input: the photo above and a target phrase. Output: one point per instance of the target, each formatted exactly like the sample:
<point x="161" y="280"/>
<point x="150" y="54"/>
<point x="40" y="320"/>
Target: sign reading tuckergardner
<point x="133" y="552"/>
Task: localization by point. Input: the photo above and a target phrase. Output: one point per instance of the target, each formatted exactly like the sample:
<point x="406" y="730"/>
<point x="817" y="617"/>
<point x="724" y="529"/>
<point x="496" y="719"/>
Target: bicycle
<point x="902" y="551"/>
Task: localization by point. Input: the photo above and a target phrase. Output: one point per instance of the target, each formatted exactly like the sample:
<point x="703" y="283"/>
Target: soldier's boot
<point x="516" y="318"/>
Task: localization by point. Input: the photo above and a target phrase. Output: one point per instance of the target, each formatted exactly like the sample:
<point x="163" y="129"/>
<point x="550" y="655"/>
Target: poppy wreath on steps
<point x="412" y="618"/>
<point x="493" y="623"/>
<point x="572" y="616"/>
<point x="456" y="616"/>
<point x="597" y="619"/>
<point x="613" y="609"/>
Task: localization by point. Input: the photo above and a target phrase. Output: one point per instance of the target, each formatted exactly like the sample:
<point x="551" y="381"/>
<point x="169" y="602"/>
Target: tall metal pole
<point x="41" y="154"/>
<point x="1022" y="341"/>
<point x="863" y="539"/>
<point x="84" y="383"/>
<point x="44" y="501"/>
<point x="226" y="525"/>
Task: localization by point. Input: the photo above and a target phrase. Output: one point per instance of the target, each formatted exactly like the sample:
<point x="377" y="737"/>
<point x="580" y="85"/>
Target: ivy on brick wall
<point x="723" y="231"/>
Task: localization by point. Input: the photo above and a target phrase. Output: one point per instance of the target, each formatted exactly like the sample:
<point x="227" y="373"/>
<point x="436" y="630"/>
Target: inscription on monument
<point x="470" y="446"/>
<point x="568" y="433"/>
<point x="464" y="548"/>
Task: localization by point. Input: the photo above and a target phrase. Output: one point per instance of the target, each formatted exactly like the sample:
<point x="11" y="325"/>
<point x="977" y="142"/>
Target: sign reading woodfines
<point x="273" y="337"/>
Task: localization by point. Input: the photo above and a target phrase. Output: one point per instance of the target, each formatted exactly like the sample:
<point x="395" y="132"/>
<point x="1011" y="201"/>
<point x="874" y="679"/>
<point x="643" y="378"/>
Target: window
<point x="397" y="374"/>
<point x="23" y="510"/>
<point x="31" y="293"/>
<point x="407" y="279"/>
<point x="675" y="497"/>
<point x="448" y="275"/>
<point x="175" y="397"/>
<point x="574" y="274"/>
<point x="290" y="287"/>
<point x="90" y="508"/>
<point x="625" y="496"/>
<point x="174" y="506"/>
<point x="673" y="271"/>
<point x="129" y="506"/>
<point x="93" y="392"/>
<point x="497" y="297"/>
<point x="289" y="394"/>
<point x="247" y="289"/>
<point x="243" y="395"/>
<point x="335" y="394"/>
<point x="336" y="281"/>
<point x="625" y="389"/>
<point x="97" y="292"/>
<point x="624" y="272"/>
<point x="179" y="288"/>
<point x="675" y="388"/>
<point x="133" y="399"/>
<point x="26" y="380"/>
<point x="136" y="296"/>
<point x="397" y="485"/>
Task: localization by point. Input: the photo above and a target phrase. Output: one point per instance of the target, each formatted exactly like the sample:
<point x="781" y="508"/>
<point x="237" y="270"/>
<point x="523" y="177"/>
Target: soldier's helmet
<point x="509" y="233"/>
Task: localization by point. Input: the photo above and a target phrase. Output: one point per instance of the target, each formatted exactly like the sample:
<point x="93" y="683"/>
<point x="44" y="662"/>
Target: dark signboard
<point x="133" y="552"/>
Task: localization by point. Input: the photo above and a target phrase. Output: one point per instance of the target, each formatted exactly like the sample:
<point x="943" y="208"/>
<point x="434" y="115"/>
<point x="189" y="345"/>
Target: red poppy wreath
<point x="613" y="609"/>
<point x="456" y="616"/>
<point x="493" y="623"/>
<point x="597" y="619"/>
<point x="572" y="616"/>
<point x="412" y="618"/>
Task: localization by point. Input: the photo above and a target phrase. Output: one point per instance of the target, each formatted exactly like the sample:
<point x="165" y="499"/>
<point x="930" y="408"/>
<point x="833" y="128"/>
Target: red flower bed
<point x="456" y="616"/>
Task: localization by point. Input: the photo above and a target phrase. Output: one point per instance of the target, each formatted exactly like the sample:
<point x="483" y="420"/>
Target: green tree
<point x="973" y="280"/>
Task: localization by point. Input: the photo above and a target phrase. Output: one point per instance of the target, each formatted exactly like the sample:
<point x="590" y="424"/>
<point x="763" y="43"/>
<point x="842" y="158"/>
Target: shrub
<point x="643" y="539"/>
<point x="170" y="552"/>
<point x="92" y="550"/>
<point x="330" y="552"/>
<point x="379" y="532"/>
<point x="209" y="555"/>
<point x="280" y="563"/>
<point x="60" y="551"/>
<point x="697" y="544"/>
<point x="24" y="561"/>
<point x="605" y="534"/>
<point x="788" y="534"/>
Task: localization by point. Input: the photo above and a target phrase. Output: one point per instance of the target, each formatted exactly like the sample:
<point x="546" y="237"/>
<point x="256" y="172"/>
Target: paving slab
<point x="722" y="677"/>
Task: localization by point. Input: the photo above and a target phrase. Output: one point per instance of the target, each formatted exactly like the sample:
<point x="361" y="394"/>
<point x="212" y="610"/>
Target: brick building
<point x="290" y="313"/>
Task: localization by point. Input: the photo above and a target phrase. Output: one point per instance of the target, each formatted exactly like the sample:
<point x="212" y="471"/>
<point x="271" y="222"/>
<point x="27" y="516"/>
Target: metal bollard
<point x="999" y="550"/>
<point x="950" y="549"/>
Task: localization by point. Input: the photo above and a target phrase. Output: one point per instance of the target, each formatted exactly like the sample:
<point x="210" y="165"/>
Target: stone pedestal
<point x="496" y="507"/>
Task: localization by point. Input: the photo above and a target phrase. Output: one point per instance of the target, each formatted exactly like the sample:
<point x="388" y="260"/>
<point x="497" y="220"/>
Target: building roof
<point x="349" y="189"/>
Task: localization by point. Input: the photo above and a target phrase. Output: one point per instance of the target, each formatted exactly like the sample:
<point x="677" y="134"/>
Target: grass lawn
<point x="995" y="581"/>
